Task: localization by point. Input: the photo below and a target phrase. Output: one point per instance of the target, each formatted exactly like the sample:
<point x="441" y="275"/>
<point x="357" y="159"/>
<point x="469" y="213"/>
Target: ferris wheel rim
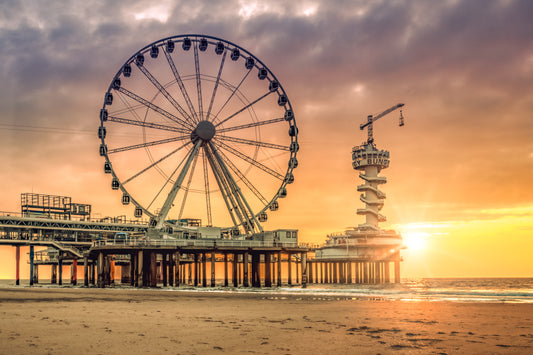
<point x="258" y="65"/>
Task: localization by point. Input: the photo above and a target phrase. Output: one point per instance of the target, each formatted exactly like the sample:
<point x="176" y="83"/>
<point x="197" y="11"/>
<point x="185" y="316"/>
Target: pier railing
<point x="196" y="243"/>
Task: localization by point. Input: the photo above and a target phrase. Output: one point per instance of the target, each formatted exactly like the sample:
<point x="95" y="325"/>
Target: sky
<point x="460" y="173"/>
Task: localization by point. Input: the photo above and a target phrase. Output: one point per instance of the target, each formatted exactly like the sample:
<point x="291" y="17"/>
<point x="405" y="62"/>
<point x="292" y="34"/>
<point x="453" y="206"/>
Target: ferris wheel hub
<point x="205" y="131"/>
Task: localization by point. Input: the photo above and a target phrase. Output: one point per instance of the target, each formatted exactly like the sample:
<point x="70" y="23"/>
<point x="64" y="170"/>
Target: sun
<point x="414" y="240"/>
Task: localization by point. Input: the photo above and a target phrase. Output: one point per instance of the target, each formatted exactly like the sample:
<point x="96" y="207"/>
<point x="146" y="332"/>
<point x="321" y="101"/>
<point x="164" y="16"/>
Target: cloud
<point x="462" y="67"/>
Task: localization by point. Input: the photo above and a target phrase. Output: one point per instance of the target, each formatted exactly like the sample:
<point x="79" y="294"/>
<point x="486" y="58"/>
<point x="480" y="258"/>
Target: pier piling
<point x="17" y="265"/>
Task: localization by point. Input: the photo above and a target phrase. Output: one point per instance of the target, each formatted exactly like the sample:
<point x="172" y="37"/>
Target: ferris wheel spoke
<point x="147" y="124"/>
<point x="235" y="89"/>
<point x="154" y="107"/>
<point x="254" y="143"/>
<point x="155" y="163"/>
<point x="244" y="108"/>
<point x="222" y="61"/>
<point x="198" y="82"/>
<point x="243" y="178"/>
<point x="236" y="190"/>
<point x="183" y="90"/>
<point x="177" y="185"/>
<point x="251" y="125"/>
<point x="129" y="109"/>
<point x="206" y="184"/>
<point x="165" y="93"/>
<point x="230" y="205"/>
<point x="186" y="190"/>
<point x="146" y="144"/>
<point x="251" y="160"/>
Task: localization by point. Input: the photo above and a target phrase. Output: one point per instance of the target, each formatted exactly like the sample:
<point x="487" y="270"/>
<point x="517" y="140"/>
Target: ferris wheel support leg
<point x="222" y="187"/>
<point x="172" y="195"/>
<point x="237" y="190"/>
<point x="207" y="193"/>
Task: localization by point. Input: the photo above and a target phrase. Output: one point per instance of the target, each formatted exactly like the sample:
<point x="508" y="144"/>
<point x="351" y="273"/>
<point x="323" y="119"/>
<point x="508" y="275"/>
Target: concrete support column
<point x="60" y="270"/>
<point x="140" y="269"/>
<point x="397" y="272"/>
<point x="297" y="271"/>
<point x="189" y="272"/>
<point x="279" y="270"/>
<point x="164" y="269"/>
<point x="245" y="280"/>
<point x="91" y="272"/>
<point x="268" y="270"/>
<point x="349" y="274"/>
<point x="315" y="263"/>
<point x="74" y="272"/>
<point x="310" y="271"/>
<point x="289" y="269"/>
<point x="177" y="269"/>
<point x="35" y="273"/>
<point x="196" y="271"/>
<point x="204" y="270"/>
<point x="254" y="270"/>
<point x="234" y="266"/>
<point x="304" y="269"/>
<point x="240" y="269"/>
<point x="375" y="271"/>
<point x="107" y="270"/>
<point x="273" y="269"/>
<point x="171" y="265"/>
<point x="112" y="270"/>
<point x="153" y="269"/>
<point x="100" y="270"/>
<point x="86" y="271"/>
<point x="32" y="255"/>
<point x="371" y="272"/>
<point x="381" y="272"/>
<point x="226" y="278"/>
<point x="213" y="276"/>
<point x="133" y="265"/>
<point x="357" y="280"/>
<point x="53" y="274"/>
<point x="326" y="272"/>
<point x="17" y="265"/>
<point x="257" y="273"/>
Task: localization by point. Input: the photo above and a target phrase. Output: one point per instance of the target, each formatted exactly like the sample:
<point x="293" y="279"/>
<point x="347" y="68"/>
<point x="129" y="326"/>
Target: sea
<point x="481" y="290"/>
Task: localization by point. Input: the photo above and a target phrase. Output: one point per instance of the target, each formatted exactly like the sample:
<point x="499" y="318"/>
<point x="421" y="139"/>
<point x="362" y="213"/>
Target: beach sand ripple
<point x="113" y="321"/>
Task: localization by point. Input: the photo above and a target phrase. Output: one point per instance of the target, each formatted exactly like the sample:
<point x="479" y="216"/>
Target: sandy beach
<point x="112" y="321"/>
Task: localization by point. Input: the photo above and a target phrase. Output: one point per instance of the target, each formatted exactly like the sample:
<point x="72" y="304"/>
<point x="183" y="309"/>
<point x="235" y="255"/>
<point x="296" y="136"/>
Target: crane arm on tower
<point x="371" y="119"/>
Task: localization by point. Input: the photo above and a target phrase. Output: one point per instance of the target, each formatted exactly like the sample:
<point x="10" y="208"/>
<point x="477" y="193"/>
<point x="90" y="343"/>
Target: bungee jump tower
<point x="364" y="254"/>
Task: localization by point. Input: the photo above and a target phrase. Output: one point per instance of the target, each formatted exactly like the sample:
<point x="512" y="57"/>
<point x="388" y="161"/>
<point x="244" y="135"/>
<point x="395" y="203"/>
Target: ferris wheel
<point x="193" y="126"/>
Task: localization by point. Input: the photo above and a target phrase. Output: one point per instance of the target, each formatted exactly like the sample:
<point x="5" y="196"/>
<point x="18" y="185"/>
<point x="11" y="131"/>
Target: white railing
<point x="210" y="243"/>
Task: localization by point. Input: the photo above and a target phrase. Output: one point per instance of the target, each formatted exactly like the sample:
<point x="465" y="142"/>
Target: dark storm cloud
<point x="423" y="41"/>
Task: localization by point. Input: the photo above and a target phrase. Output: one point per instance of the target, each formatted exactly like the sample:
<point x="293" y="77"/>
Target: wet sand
<point x="113" y="321"/>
